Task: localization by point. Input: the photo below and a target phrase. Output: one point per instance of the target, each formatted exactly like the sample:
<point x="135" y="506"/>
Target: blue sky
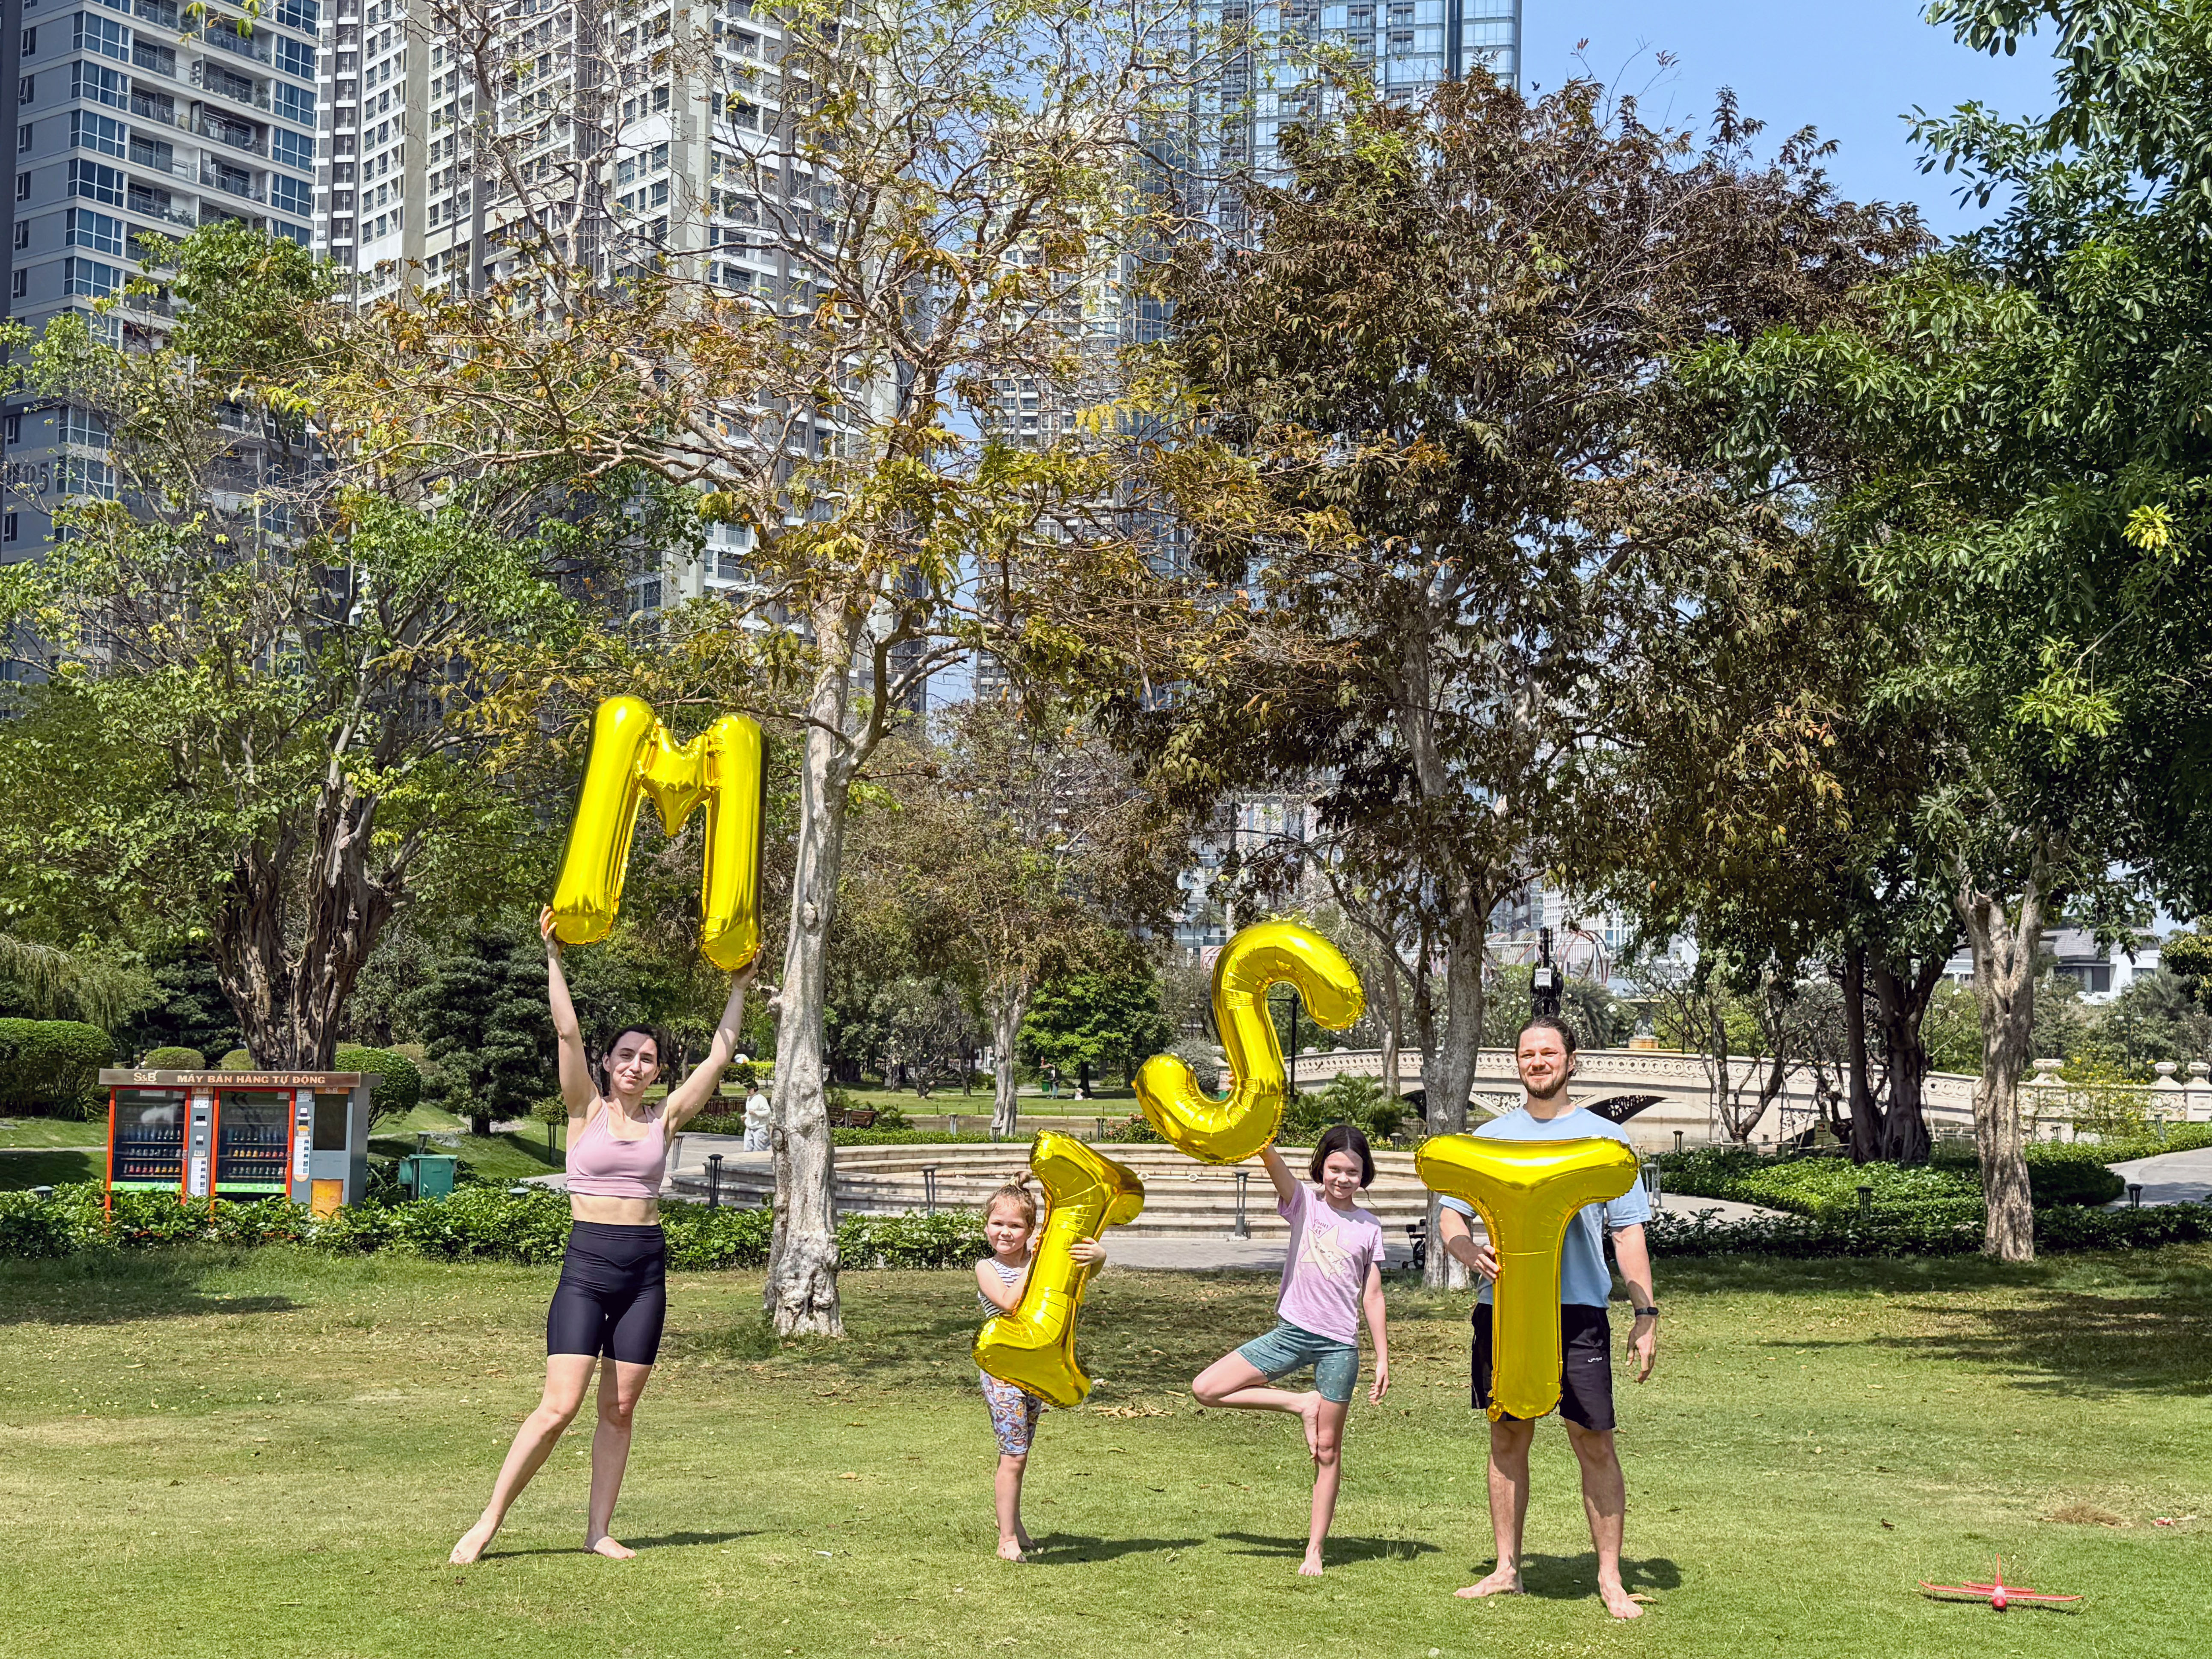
<point x="1850" y="67"/>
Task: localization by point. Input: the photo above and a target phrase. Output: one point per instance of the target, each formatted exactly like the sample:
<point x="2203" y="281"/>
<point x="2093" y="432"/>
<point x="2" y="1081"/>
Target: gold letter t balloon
<point x="1527" y="1192"/>
<point x="1229" y="1130"/>
<point x="632" y="756"/>
<point x="1033" y="1346"/>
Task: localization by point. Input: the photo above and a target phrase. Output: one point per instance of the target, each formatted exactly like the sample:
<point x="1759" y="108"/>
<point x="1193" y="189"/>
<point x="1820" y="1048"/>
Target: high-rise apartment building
<point x="131" y="117"/>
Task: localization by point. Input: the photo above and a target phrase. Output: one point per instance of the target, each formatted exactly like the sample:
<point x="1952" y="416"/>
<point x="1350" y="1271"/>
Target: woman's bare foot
<point x="1501" y="1580"/>
<point x="472" y="1546"/>
<point x="610" y="1549"/>
<point x="1309" y="1414"/>
<point x="1010" y="1549"/>
<point x="1619" y="1602"/>
<point x="1310" y="1567"/>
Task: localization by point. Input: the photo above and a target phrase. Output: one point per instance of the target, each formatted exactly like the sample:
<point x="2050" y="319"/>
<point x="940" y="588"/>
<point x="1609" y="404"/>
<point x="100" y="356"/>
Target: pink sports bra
<point x="604" y="1167"/>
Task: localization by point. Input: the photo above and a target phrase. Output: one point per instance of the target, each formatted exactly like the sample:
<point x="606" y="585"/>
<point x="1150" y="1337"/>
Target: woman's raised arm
<point x="686" y="1099"/>
<point x="577" y="1090"/>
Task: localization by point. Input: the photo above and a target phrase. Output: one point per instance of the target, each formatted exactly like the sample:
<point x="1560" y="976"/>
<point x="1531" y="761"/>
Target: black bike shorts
<point x="1585" y="1364"/>
<point x="613" y="1295"/>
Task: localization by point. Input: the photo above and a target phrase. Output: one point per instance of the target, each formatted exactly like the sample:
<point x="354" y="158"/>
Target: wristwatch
<point x="1646" y="1312"/>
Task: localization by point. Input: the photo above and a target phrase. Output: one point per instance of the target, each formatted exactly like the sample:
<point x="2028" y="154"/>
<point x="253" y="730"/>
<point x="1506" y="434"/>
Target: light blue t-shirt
<point x="1584" y="1279"/>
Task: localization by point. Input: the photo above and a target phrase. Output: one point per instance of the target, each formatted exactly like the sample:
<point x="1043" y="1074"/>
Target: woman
<point x="612" y="1296"/>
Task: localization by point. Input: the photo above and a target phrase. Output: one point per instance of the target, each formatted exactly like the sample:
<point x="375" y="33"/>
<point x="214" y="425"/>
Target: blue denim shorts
<point x="1291" y="1347"/>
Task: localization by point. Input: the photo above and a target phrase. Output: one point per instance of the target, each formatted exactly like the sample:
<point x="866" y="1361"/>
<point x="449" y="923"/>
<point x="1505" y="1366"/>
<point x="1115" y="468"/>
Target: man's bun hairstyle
<point x="1547" y="1023"/>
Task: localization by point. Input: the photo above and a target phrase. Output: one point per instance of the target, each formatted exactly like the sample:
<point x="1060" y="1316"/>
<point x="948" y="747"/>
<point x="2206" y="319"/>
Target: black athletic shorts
<point x="1585" y="1364"/>
<point x="613" y="1293"/>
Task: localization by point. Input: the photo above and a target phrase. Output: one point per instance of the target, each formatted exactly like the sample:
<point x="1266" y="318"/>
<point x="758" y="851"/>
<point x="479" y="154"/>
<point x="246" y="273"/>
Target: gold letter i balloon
<point x="1231" y="1129"/>
<point x="1033" y="1348"/>
<point x="1527" y="1192"/>
<point x="633" y="755"/>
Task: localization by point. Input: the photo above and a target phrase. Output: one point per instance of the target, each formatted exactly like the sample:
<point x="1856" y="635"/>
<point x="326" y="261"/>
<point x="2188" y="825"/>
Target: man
<point x="1545" y="1054"/>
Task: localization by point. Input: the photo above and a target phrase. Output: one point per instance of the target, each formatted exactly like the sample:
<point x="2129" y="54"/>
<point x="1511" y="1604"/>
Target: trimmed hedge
<point x="173" y="1059"/>
<point x="401" y="1091"/>
<point x="1945" y="1191"/>
<point x="2063" y="1229"/>
<point x="481" y="1224"/>
<point x="51" y="1068"/>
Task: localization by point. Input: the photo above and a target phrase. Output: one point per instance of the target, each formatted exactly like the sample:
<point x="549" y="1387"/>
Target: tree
<point x="947" y="187"/>
<point x="258" y="661"/>
<point x="1438" y="487"/>
<point x="2029" y="474"/>
<point x="1108" y="1021"/>
<point x="482" y="1015"/>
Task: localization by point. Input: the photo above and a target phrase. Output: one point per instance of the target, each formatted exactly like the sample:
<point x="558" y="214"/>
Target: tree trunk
<point x="1392" y="1016"/>
<point x="1448" y="1067"/>
<point x="1899" y="1008"/>
<point x="800" y="1295"/>
<point x="1005" y="1027"/>
<point x="1867" y="1121"/>
<point x="2005" y="943"/>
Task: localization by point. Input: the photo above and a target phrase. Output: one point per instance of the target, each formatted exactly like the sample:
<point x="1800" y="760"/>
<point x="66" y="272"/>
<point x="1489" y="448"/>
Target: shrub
<point x="2065" y="1228"/>
<point x="1358" y="1101"/>
<point x="1137" y="1130"/>
<point x="2070" y="1173"/>
<point x="174" y="1059"/>
<point x="400" y="1090"/>
<point x="1947" y="1191"/>
<point x="51" y="1068"/>
<point x="236" y="1060"/>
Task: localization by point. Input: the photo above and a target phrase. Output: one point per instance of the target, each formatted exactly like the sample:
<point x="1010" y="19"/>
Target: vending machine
<point x="240" y="1135"/>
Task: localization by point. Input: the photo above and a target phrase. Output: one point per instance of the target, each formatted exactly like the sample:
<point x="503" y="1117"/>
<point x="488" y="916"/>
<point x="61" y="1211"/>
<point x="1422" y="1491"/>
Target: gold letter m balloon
<point x="1527" y="1192"/>
<point x="632" y="756"/>
<point x="1231" y="1129"/>
<point x="1033" y="1346"/>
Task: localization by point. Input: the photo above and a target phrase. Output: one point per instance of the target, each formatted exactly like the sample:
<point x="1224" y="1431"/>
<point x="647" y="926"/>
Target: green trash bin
<point x="428" y="1174"/>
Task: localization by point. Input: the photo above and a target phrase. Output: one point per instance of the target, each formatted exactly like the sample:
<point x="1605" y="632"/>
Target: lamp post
<point x="1544" y="980"/>
<point x="713" y="1180"/>
<point x="929" y="1188"/>
<point x="1244" y="1229"/>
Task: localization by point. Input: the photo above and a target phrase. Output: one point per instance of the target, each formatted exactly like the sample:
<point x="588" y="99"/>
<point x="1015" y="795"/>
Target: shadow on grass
<point x="20" y="1171"/>
<point x="1574" y="1577"/>
<point x="2076" y="1341"/>
<point x="1338" y="1549"/>
<point x="1067" y="1548"/>
<point x="114" y="1287"/>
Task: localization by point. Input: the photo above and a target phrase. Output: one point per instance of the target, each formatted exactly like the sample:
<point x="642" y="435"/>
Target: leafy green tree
<point x="258" y="659"/>
<point x="188" y="1011"/>
<point x="1108" y="1021"/>
<point x="486" y="1033"/>
<point x="2188" y="957"/>
<point x="1444" y="489"/>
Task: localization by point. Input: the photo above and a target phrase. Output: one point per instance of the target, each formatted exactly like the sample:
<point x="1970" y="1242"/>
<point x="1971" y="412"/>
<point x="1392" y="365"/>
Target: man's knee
<point x="1594" y="1447"/>
<point x="1511" y="1437"/>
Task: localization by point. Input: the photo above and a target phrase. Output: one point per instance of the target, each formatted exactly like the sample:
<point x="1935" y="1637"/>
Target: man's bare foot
<point x="1309" y="1414"/>
<point x="1619" y="1602"/>
<point x="610" y="1549"/>
<point x="1501" y="1580"/>
<point x="1310" y="1567"/>
<point x="1010" y="1549"/>
<point x="472" y="1546"/>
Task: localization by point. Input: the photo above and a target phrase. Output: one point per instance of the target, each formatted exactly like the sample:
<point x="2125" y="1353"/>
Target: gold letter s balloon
<point x="1231" y="1129"/>
<point x="1527" y="1192"/>
<point x="1033" y="1348"/>
<point x="632" y="755"/>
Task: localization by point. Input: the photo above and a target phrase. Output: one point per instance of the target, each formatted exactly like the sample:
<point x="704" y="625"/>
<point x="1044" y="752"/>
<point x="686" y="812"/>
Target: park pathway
<point x="2169" y="1177"/>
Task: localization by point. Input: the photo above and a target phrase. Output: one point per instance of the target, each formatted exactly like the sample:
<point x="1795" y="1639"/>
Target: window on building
<point x="99" y="85"/>
<point x="659" y="155"/>
<point x="23" y="138"/>
<point x="82" y="426"/>
<point x="97" y="231"/>
<point x="301" y="14"/>
<point x="291" y="150"/>
<point x="660" y="98"/>
<point x="24" y="88"/>
<point x="103" y="35"/>
<point x="291" y="195"/>
<point x="98" y="132"/>
<point x="90" y="179"/>
<point x="23" y="233"/>
<point x="22" y="186"/>
<point x="294" y="104"/>
<point x="9" y="529"/>
<point x="90" y="278"/>
<point x="21" y="286"/>
<point x="14" y="431"/>
<point x="295" y="58"/>
<point x="30" y="42"/>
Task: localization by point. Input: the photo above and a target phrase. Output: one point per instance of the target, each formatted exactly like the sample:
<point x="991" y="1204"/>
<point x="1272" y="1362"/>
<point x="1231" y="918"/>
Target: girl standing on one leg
<point x="1332" y="1275"/>
<point x="1010" y="1228"/>
<point x="613" y="1295"/>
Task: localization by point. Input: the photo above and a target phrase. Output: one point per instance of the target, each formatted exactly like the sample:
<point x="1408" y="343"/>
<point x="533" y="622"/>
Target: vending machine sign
<point x="199" y="1145"/>
<point x="303" y="1135"/>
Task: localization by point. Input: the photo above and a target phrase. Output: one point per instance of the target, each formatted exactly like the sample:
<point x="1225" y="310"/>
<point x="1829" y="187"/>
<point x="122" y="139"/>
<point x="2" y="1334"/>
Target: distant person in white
<point x="756" y="1116"/>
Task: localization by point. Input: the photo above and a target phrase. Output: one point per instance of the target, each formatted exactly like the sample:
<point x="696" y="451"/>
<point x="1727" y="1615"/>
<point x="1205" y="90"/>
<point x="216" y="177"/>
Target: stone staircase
<point x="1183" y="1198"/>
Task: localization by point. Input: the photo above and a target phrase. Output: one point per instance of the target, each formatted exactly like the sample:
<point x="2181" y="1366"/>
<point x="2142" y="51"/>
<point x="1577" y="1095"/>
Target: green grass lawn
<point x="53" y="1132"/>
<point x="215" y="1454"/>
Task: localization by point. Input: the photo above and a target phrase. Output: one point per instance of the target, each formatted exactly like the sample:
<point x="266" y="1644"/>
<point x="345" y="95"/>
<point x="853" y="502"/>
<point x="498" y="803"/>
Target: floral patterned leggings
<point x="1014" y="1413"/>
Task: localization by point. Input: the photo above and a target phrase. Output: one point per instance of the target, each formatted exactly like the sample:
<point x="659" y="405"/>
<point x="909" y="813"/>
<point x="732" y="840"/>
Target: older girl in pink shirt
<point x="1332" y="1275"/>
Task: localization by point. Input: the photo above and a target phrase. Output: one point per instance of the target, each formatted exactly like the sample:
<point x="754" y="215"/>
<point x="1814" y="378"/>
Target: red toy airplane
<point x="1999" y="1594"/>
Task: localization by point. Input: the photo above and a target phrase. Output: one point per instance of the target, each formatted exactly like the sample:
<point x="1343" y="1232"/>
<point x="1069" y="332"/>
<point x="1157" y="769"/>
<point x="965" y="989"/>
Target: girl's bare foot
<point x="1024" y="1540"/>
<point x="610" y="1549"/>
<point x="1310" y="1567"/>
<point x="1619" y="1602"/>
<point x="472" y="1546"/>
<point x="1502" y="1580"/>
<point x="1309" y="1414"/>
<point x="1010" y="1549"/>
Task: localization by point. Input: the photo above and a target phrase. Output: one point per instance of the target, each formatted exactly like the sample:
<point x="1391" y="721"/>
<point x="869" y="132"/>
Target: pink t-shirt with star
<point x="1325" y="1271"/>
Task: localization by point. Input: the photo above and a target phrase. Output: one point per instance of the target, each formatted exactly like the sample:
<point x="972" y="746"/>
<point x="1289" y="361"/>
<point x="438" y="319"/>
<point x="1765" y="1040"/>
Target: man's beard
<point x="1553" y="1093"/>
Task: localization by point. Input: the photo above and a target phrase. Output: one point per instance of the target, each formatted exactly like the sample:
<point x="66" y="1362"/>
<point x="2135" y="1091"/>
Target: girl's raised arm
<point x="1284" y="1177"/>
<point x="686" y="1099"/>
<point x="577" y="1092"/>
